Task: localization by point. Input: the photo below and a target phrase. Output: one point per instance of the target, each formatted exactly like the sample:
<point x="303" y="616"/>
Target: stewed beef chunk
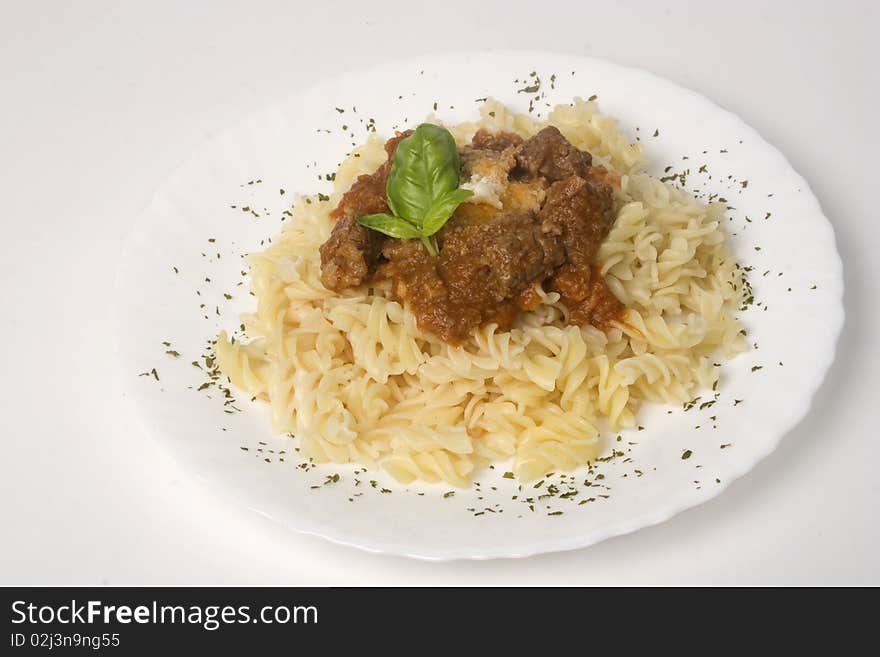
<point x="480" y="276"/>
<point x="581" y="214"/>
<point x="352" y="252"/>
<point x="584" y="291"/>
<point x="489" y="263"/>
<point x="550" y="155"/>
<point x="350" y="255"/>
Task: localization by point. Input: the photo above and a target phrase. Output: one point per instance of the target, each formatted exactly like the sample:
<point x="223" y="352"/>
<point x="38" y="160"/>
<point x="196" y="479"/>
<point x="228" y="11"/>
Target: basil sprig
<point x="422" y="187"/>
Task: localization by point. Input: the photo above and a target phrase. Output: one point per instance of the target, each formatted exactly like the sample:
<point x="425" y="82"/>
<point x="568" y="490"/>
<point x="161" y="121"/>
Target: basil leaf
<point x="422" y="188"/>
<point x="389" y="225"/>
<point x="426" y="166"/>
<point x="442" y="208"/>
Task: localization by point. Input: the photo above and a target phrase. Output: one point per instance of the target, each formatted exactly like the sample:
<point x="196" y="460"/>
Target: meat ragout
<point x="549" y="212"/>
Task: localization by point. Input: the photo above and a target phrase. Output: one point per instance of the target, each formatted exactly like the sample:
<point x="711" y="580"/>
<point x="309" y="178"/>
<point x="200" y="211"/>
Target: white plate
<point x="293" y="142"/>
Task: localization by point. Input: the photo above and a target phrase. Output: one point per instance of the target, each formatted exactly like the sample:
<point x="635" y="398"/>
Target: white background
<point x="100" y="100"/>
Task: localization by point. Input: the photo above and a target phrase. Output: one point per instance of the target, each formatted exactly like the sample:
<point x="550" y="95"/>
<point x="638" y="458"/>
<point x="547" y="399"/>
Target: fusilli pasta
<point x="354" y="378"/>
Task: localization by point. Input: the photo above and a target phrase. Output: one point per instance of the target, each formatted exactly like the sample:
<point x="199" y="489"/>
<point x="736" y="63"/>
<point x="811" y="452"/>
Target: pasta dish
<point x="504" y="290"/>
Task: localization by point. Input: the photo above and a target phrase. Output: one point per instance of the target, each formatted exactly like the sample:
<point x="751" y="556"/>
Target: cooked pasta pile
<point x="355" y="380"/>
